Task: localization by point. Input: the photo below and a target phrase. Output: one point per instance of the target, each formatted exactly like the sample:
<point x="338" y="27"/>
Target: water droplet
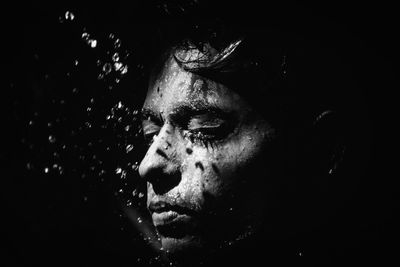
<point x="46" y="170"/>
<point x="107" y="68"/>
<point x="134" y="192"/>
<point x="117" y="43"/>
<point x="119" y="105"/>
<point x="69" y="15"/>
<point x="29" y="166"/>
<point x="129" y="148"/>
<point x="52" y="139"/>
<point x="92" y="43"/>
<point x="117" y="66"/>
<point x="135" y="167"/>
<point x="124" y="69"/>
<point x="115" y="57"/>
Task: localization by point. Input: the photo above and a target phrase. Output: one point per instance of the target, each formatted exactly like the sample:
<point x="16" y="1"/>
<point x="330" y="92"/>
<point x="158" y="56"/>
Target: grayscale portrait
<point x="198" y="133"/>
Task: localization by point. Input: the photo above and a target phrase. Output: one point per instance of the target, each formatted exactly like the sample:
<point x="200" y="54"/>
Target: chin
<point x="181" y="246"/>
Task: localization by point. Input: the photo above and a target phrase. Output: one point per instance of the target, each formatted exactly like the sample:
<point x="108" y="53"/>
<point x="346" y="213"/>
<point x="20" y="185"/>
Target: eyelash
<point x="204" y="136"/>
<point x="195" y="136"/>
<point x="198" y="137"/>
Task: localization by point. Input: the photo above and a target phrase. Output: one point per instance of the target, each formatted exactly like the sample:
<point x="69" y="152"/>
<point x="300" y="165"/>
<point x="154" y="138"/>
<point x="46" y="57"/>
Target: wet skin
<point x="203" y="139"/>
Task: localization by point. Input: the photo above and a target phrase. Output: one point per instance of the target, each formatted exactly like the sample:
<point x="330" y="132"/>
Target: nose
<point x="160" y="166"/>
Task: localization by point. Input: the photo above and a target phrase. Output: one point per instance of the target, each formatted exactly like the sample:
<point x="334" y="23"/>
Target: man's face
<point x="203" y="142"/>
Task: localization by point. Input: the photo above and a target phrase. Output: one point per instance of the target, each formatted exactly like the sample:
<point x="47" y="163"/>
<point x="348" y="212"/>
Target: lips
<point x="172" y="220"/>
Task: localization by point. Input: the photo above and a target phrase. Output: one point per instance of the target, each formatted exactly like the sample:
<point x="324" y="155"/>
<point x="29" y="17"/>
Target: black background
<point x="45" y="221"/>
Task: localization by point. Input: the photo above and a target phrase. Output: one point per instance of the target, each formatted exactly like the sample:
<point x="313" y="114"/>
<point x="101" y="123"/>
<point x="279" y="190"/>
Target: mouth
<point x="172" y="220"/>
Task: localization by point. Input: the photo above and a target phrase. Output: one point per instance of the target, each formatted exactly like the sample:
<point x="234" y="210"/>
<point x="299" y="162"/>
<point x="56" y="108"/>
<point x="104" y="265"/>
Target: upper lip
<point x="163" y="206"/>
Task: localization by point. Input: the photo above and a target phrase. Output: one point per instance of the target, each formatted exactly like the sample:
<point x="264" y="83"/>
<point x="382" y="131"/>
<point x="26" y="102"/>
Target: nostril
<point x="163" y="181"/>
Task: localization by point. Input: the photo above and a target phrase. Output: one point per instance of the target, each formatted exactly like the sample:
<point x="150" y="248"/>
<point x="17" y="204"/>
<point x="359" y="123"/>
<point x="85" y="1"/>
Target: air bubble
<point x="117" y="66"/>
<point x="28" y="166"/>
<point x="124" y="69"/>
<point x="117" y="43"/>
<point x="107" y="68"/>
<point x="129" y="148"/>
<point x="69" y="15"/>
<point x="115" y="57"/>
<point x="92" y="43"/>
<point x="52" y="139"/>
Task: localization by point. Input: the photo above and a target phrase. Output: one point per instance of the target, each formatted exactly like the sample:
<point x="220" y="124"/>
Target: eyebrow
<point x="186" y="110"/>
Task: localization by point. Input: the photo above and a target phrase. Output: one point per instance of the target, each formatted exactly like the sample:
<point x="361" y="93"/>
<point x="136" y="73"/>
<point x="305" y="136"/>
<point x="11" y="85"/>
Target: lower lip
<point x="172" y="224"/>
<point x="168" y="217"/>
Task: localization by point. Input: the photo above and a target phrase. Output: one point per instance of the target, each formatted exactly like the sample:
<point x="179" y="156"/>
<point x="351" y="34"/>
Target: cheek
<point x="208" y="172"/>
<point x="200" y="175"/>
<point x="231" y="165"/>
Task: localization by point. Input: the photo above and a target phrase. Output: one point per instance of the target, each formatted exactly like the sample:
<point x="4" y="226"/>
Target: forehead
<point x="173" y="86"/>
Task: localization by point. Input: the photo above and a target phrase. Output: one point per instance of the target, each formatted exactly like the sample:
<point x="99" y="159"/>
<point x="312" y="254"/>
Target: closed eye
<point x="150" y="129"/>
<point x="209" y="127"/>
